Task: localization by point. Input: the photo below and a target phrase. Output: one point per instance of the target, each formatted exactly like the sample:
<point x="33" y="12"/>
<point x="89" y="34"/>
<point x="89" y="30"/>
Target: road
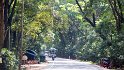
<point x="67" y="64"/>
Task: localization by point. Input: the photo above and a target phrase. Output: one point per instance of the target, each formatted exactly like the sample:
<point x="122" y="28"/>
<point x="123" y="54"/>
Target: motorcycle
<point x="53" y="57"/>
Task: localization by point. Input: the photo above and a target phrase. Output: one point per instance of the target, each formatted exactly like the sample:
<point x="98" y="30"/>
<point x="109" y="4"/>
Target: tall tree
<point x="9" y="9"/>
<point x="1" y="23"/>
<point x="116" y="7"/>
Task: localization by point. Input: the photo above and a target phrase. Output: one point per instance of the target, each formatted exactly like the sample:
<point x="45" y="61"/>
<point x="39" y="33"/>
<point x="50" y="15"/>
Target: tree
<point x="1" y="23"/>
<point x="75" y="27"/>
<point x="116" y="7"/>
<point x="9" y="10"/>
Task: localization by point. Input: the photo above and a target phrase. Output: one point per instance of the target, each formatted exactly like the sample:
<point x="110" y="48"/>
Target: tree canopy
<point x="78" y="29"/>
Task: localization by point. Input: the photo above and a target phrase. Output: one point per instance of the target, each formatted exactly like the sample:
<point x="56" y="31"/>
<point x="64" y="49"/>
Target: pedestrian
<point x="24" y="59"/>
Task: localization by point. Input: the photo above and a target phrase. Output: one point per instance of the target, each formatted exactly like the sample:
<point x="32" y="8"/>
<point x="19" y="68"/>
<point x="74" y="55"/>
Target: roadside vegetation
<point x="79" y="29"/>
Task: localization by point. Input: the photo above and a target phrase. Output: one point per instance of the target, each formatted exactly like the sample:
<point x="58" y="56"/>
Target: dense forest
<point x="78" y="29"/>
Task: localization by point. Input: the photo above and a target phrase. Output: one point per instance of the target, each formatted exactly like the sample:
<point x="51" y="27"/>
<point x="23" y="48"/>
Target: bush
<point x="9" y="59"/>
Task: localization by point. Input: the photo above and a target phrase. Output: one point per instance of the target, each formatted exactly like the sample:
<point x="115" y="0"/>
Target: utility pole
<point x="21" y="43"/>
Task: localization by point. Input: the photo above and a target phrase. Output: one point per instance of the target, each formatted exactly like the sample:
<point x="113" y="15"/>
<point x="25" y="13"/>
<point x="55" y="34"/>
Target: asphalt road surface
<point x="67" y="64"/>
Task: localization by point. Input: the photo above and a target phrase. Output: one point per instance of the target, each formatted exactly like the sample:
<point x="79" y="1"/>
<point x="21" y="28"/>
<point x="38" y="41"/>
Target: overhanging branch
<point x="85" y="17"/>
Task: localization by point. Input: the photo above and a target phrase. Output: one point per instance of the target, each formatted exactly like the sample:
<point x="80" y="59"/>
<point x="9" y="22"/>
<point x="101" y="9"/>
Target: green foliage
<point x="10" y="59"/>
<point x="61" y="24"/>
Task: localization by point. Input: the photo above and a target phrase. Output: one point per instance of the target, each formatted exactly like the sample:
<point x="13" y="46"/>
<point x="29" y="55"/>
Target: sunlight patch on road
<point x="72" y="61"/>
<point x="78" y="69"/>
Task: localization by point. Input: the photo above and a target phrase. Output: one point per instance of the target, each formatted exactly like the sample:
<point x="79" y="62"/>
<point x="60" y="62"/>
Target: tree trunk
<point x="6" y="40"/>
<point x="1" y="23"/>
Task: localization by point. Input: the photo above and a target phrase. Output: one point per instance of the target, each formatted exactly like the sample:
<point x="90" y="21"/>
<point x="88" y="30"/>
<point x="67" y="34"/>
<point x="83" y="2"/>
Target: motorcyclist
<point x="52" y="53"/>
<point x="53" y="56"/>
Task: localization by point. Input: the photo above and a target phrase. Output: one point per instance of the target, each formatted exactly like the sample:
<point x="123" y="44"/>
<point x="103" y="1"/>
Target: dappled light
<point x="61" y="34"/>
